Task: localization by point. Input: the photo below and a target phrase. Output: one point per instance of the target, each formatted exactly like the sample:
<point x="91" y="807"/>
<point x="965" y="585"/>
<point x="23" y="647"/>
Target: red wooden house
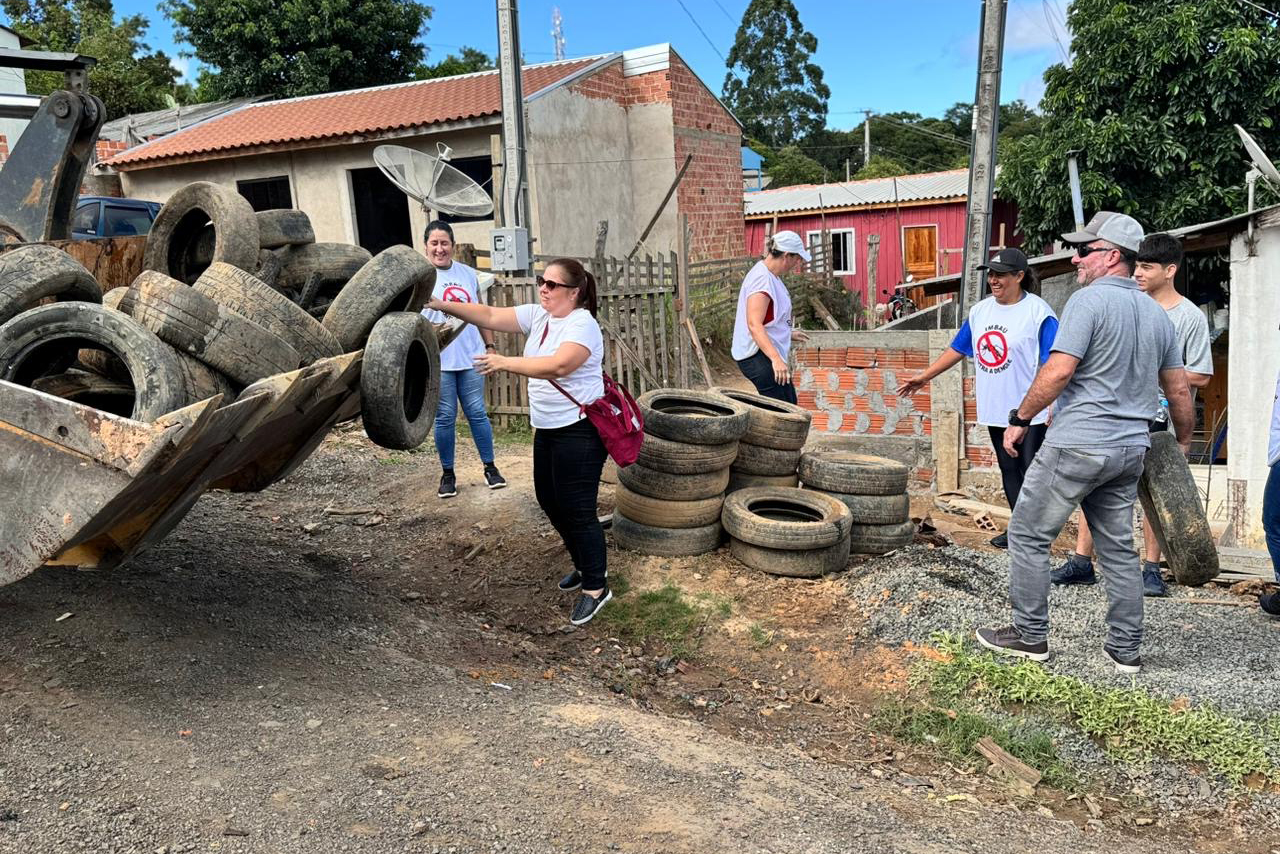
<point x="919" y="219"/>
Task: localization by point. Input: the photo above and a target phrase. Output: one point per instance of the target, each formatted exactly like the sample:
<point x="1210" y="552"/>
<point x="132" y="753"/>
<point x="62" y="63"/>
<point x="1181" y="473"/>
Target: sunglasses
<point x="1086" y="251"/>
<point x="551" y="285"/>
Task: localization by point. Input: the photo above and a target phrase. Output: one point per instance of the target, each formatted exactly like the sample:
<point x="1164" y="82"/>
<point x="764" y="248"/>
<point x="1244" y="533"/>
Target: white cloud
<point x="182" y="65"/>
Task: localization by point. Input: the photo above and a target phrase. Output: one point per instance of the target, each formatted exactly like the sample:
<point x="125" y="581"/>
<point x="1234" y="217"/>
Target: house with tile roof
<point x="606" y="136"/>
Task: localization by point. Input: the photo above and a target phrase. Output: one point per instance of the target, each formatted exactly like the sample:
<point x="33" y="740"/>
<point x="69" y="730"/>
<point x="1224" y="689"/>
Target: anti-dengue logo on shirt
<point x="992" y="350"/>
<point x="453" y="293"/>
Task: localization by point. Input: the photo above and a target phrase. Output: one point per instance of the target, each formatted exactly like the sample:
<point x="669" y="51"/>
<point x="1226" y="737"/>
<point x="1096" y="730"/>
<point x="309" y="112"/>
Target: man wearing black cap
<point x="1112" y="340"/>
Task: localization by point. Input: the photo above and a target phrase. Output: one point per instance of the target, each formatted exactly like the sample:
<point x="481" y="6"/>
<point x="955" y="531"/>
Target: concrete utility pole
<point x="866" y="137"/>
<point x="982" y="154"/>
<point x="515" y="193"/>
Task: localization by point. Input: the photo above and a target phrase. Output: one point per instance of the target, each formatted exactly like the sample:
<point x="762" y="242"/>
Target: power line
<point x="1053" y="27"/>
<point x="942" y="136"/>
<point x="1274" y="15"/>
<point x="704" y="32"/>
<point x="726" y="13"/>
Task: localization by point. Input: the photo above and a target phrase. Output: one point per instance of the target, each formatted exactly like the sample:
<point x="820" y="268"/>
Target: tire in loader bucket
<point x="1171" y="504"/>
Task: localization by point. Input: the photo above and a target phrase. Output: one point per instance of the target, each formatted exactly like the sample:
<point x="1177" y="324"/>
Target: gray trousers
<point x="1104" y="483"/>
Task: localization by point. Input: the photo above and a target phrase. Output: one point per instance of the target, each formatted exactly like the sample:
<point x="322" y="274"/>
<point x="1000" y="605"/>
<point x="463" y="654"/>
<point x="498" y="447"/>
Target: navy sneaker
<point x="1152" y="581"/>
<point x="1077" y="570"/>
<point x="492" y="478"/>
<point x="572" y="581"/>
<point x="448" y="485"/>
<point x="1007" y="640"/>
<point x="588" y="606"/>
<point x="1127" y="666"/>
<point x="1001" y="541"/>
<point x="1270" y="604"/>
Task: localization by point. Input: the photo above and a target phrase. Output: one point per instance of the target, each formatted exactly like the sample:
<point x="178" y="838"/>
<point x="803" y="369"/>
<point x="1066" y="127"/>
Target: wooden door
<point x="920" y="252"/>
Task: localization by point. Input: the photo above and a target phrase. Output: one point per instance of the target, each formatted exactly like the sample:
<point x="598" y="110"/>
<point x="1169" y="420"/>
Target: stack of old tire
<point x="201" y="320"/>
<point x="874" y="490"/>
<point x="769" y="451"/>
<point x="787" y="531"/>
<point x="668" y="502"/>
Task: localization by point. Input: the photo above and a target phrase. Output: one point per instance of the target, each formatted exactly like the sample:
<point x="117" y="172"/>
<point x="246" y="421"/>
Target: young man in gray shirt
<point x="1159" y="257"/>
<point x="1112" y="343"/>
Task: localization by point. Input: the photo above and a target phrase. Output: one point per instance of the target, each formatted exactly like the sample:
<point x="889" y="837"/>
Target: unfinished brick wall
<point x="607" y="84"/>
<point x="711" y="192"/>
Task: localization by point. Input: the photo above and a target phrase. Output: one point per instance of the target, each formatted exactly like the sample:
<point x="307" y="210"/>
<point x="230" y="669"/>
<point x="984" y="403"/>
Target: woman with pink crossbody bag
<point x="563" y="359"/>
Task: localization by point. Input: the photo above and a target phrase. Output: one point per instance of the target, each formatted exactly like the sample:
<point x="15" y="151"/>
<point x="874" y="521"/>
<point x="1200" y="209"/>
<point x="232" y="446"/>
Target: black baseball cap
<point x="1007" y="261"/>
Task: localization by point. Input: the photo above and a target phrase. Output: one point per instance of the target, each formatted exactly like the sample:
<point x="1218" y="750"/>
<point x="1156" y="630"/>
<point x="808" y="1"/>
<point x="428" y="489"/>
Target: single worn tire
<point x="202" y="382"/>
<point x="743" y="480"/>
<point x="400" y="381"/>
<point x="173" y="243"/>
<point x="32" y="273"/>
<point x="832" y="470"/>
<point x="666" y="542"/>
<point x="89" y="389"/>
<point x="780" y="518"/>
<point x="879" y="539"/>
<point x="33" y="340"/>
<point x="103" y="362"/>
<point x="754" y="459"/>
<point x="684" y="458"/>
<point x="694" y="417"/>
<point x="654" y="483"/>
<point x="397" y="279"/>
<point x="248" y="297"/>
<point x="286" y="227"/>
<point x="1171" y="505"/>
<point x="806" y="563"/>
<point x="268" y="267"/>
<point x="772" y="423"/>
<point x="214" y="334"/>
<point x="874" y="509"/>
<point x="333" y="263"/>
<point x="665" y="513"/>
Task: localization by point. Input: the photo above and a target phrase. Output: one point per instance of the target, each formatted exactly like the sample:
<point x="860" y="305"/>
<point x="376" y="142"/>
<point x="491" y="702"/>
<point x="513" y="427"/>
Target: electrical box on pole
<point x="982" y="155"/>
<point x="515" y="191"/>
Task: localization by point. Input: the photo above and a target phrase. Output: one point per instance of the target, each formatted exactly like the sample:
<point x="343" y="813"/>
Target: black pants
<point x="1014" y="469"/>
<point x="567" y="462"/>
<point x="759" y="370"/>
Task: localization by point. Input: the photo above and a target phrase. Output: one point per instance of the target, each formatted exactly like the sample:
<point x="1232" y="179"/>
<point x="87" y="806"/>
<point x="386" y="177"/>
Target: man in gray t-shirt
<point x="1112" y="344"/>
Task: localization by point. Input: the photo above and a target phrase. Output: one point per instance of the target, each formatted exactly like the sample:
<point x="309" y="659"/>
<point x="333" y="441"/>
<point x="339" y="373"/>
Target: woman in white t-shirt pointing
<point x="1008" y="335"/>
<point x="762" y="327"/>
<point x="564" y="344"/>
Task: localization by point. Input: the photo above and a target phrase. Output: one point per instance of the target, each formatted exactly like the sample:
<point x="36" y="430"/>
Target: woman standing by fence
<point x="762" y="327"/>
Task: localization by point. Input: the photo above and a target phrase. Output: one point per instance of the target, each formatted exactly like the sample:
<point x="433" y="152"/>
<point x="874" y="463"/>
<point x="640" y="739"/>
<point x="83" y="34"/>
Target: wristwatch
<point x="491" y="346"/>
<point x="1015" y="421"/>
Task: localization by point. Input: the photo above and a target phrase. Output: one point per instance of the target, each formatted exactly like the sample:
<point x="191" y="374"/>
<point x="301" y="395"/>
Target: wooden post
<point x="873" y="290"/>
<point x="682" y="297"/>
<point x="495" y="157"/>
<point x="466" y="254"/>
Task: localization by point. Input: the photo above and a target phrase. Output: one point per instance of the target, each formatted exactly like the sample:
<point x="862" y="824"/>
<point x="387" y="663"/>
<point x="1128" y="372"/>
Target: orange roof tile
<point x="335" y="115"/>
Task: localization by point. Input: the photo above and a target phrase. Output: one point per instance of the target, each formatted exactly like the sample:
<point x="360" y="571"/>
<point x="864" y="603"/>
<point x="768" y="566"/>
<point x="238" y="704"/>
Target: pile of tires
<point x="668" y="502"/>
<point x="212" y="313"/>
<point x="787" y="531"/>
<point x="769" y="451"/>
<point x="873" y="489"/>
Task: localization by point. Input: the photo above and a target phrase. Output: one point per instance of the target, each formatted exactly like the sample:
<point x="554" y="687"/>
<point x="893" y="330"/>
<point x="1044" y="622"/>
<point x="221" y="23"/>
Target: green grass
<point x="761" y="637"/>
<point x="666" y="616"/>
<point x="1130" y="723"/>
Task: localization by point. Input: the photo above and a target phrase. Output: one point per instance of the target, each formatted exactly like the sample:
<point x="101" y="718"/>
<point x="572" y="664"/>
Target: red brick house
<point x="606" y="136"/>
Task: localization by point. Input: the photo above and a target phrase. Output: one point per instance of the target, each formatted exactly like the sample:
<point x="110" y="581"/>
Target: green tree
<point x="1150" y="99"/>
<point x="1016" y="120"/>
<point x="789" y="166"/>
<point x="300" y="47"/>
<point x="129" y="77"/>
<point x="772" y="86"/>
<point x="466" y="61"/>
<point x="881" y="167"/>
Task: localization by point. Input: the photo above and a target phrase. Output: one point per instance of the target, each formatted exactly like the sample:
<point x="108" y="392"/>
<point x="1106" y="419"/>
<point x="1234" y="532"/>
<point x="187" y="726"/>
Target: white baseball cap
<point x="789" y="241"/>
<point x="1124" y="231"/>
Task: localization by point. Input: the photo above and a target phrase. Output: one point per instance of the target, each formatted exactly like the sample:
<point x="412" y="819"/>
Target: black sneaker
<point x="1153" y="582"/>
<point x="493" y="478"/>
<point x="448" y="486"/>
<point x="587" y="607"/>
<point x="1128" y="666"/>
<point x="1077" y="570"/>
<point x="572" y="581"/>
<point x="1270" y="604"/>
<point x="1001" y="541"/>
<point x="1007" y="641"/>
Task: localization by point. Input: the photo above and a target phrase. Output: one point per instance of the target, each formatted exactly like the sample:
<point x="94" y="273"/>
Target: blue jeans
<point x="466" y="386"/>
<point x="1271" y="517"/>
<point x="759" y="370"/>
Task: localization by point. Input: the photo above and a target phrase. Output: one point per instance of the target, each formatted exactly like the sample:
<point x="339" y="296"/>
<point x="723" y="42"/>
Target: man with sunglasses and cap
<point x="1113" y="339"/>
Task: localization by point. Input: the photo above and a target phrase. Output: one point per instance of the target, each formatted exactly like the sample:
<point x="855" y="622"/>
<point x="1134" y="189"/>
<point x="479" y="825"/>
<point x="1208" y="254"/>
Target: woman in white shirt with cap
<point x="762" y="331"/>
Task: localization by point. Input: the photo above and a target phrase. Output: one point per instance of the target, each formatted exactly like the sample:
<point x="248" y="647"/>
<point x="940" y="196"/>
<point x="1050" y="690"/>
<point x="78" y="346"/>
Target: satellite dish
<point x="431" y="181"/>
<point x="1259" y="157"/>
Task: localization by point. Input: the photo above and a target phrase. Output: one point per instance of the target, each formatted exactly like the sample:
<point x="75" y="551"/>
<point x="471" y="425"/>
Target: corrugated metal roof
<point x="847" y="194"/>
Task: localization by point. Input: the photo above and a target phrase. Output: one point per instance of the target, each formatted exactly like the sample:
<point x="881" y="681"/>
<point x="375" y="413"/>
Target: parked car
<point x="105" y="216"/>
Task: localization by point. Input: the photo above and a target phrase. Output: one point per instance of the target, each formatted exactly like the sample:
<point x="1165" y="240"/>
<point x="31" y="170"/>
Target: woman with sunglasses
<point x="564" y="348"/>
<point x="1008" y="335"/>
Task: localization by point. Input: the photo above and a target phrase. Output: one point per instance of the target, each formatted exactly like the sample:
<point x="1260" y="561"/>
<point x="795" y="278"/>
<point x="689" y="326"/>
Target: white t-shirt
<point x="777" y="318"/>
<point x="1273" y="444"/>
<point x="457" y="284"/>
<point x="548" y="408"/>
<point x="1006" y="355"/>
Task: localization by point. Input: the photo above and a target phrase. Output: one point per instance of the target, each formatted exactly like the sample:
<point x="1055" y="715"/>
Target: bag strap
<point x="560" y="388"/>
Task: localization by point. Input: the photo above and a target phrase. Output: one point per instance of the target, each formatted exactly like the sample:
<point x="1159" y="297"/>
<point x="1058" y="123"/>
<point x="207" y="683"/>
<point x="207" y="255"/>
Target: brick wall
<point x="4" y="149"/>
<point x="977" y="441"/>
<point x="607" y="84"/>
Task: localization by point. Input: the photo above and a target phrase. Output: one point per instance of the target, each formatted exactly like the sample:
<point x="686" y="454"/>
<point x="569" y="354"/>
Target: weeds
<point x="665" y="616"/>
<point x="761" y="638"/>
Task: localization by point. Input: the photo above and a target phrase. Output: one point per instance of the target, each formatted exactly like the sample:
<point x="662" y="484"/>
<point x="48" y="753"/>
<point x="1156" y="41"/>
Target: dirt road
<point x="275" y="678"/>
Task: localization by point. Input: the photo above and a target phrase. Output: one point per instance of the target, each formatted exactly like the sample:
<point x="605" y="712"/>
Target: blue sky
<point x="882" y="55"/>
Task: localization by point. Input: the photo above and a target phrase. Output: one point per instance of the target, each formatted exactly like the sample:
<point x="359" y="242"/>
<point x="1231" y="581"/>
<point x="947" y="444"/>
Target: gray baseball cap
<point x="1120" y="229"/>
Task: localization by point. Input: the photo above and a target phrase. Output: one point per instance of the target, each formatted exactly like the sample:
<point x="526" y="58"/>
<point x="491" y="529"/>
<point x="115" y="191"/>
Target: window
<point x="122" y="222"/>
<point x="840" y="258"/>
<point x="85" y="220"/>
<point x="480" y="170"/>
<point x="266" y="194"/>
